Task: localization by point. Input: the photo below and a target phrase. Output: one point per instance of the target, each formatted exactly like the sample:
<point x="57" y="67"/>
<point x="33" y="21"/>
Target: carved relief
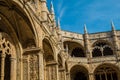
<point x="51" y="72"/>
<point x="30" y="67"/>
<point x="6" y="53"/>
<point x="33" y="65"/>
<point x="5" y="44"/>
<point x="25" y="67"/>
<point x="61" y="75"/>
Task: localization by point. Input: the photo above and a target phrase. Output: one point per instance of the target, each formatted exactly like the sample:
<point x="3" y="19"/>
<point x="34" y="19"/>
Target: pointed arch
<point x="49" y="52"/>
<point x="102" y="48"/>
<point x="107" y="71"/>
<point x="96" y="43"/>
<point x="75" y="49"/>
<point x="20" y="19"/>
<point x="79" y="72"/>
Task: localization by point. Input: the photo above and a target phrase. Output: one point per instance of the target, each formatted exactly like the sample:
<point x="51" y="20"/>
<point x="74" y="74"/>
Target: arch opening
<point x="107" y="51"/>
<point x="15" y="21"/>
<point x="48" y="52"/>
<point x="102" y="49"/>
<point x="48" y="60"/>
<point x="74" y="49"/>
<point x="78" y="73"/>
<point x="80" y="76"/>
<point x="78" y="52"/>
<point x="7" y="67"/>
<point x="106" y="72"/>
<point x="96" y="53"/>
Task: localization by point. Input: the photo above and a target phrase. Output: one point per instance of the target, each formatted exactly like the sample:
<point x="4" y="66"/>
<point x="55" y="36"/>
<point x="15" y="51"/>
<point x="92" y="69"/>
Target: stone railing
<point x="78" y="59"/>
<point x="103" y="59"/>
<point x="72" y="35"/>
<point x="100" y="35"/>
<point x="93" y="60"/>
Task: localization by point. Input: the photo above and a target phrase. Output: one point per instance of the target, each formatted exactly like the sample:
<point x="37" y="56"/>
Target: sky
<point x="96" y="14"/>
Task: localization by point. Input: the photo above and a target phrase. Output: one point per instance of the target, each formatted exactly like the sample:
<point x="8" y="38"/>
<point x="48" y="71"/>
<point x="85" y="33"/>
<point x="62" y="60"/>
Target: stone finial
<point x="85" y="29"/>
<point x="112" y="25"/>
<point x="52" y="8"/>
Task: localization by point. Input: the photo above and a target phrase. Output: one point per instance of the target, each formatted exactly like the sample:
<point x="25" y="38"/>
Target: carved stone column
<point x="62" y="74"/>
<point x="67" y="76"/>
<point x="41" y="65"/>
<point x="2" y="66"/>
<point x="91" y="76"/>
<point x="52" y="69"/>
<point x="57" y="75"/>
<point x="13" y="69"/>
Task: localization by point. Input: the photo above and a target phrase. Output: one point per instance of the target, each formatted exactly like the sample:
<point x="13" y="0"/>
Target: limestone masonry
<point x="33" y="46"/>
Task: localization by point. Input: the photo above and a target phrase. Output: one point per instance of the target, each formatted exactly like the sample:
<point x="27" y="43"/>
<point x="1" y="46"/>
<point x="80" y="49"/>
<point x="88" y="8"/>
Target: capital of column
<point x="91" y="76"/>
<point x="40" y="52"/>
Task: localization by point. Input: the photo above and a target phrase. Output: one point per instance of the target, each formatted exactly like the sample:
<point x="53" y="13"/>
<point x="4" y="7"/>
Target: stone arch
<point x="74" y="49"/>
<point x="20" y="21"/>
<point x="79" y="72"/>
<point x="17" y="23"/>
<point x="106" y="71"/>
<point x="48" y="49"/>
<point x="49" y="60"/>
<point x="105" y="41"/>
<point x="27" y="14"/>
<point x="102" y="48"/>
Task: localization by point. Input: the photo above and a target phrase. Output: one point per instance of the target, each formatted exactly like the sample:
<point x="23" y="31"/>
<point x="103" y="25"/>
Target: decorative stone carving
<point x="7" y="52"/>
<point x="25" y="67"/>
<point x="33" y="65"/>
<point x="61" y="75"/>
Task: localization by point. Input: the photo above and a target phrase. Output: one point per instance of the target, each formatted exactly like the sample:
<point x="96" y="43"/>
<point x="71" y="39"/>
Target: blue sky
<point x="96" y="14"/>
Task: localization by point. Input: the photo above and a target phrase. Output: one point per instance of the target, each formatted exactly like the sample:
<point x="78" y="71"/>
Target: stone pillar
<point x="55" y="68"/>
<point x="115" y="41"/>
<point x="62" y="74"/>
<point x="67" y="76"/>
<point x="87" y="44"/>
<point x="13" y="69"/>
<point x="2" y="66"/>
<point x="41" y="65"/>
<point x="91" y="76"/>
<point x="28" y="67"/>
<point x="52" y="69"/>
<point x="57" y="75"/>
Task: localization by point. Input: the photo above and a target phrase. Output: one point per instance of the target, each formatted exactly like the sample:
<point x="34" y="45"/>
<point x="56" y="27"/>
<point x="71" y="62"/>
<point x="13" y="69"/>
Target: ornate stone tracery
<point x="102" y="49"/>
<point x="7" y="52"/>
<point x="33" y="64"/>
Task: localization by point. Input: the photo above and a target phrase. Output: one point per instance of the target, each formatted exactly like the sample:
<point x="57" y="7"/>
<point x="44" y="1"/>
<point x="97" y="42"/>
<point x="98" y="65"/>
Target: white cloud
<point x="62" y="11"/>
